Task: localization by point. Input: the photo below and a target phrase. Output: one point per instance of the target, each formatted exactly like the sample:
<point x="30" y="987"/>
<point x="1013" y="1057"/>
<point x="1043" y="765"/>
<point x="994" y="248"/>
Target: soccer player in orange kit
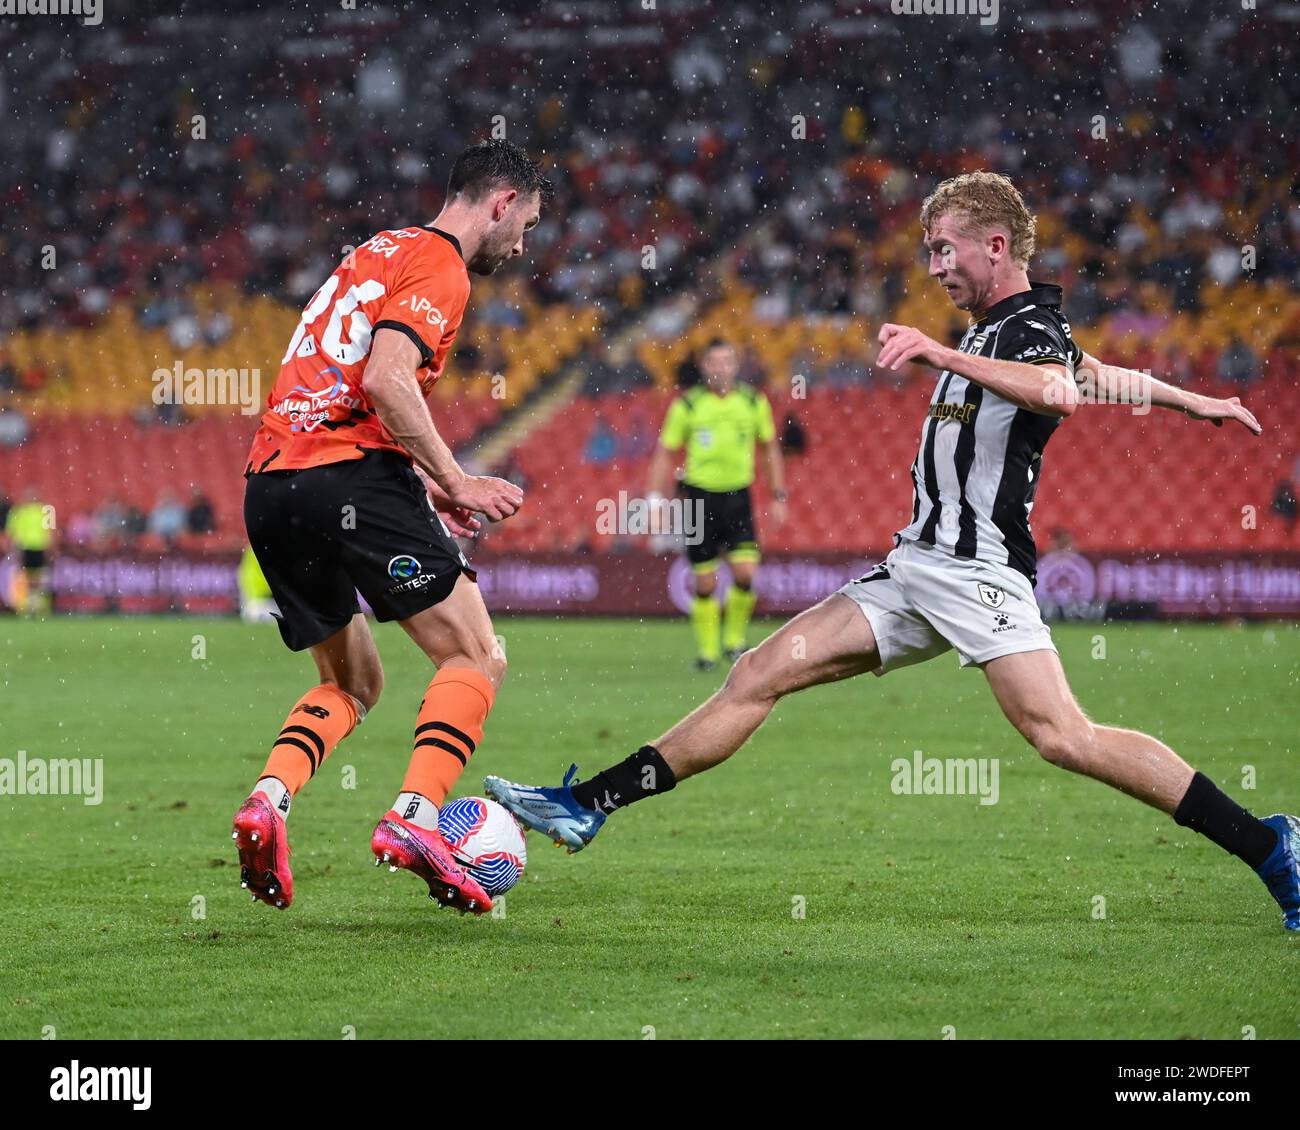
<point x="350" y="487"/>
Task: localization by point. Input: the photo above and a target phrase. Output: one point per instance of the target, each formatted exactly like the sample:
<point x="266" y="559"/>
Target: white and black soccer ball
<point x="486" y="840"/>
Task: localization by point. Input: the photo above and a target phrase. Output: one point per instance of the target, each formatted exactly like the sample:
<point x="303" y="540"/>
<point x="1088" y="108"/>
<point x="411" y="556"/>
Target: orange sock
<point x="323" y="717"/>
<point x="447" y="731"/>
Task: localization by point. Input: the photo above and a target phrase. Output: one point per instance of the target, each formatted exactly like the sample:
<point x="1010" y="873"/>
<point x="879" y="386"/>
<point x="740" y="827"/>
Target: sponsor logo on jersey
<point x="962" y="413"/>
<point x="312" y="406"/>
<point x="422" y="306"/>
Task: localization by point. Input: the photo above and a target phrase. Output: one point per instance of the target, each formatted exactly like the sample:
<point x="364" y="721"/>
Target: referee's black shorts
<point x="322" y="533"/>
<point x="727" y="526"/>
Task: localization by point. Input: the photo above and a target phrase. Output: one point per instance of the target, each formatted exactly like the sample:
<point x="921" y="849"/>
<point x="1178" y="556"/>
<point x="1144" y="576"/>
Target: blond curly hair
<point x="984" y="200"/>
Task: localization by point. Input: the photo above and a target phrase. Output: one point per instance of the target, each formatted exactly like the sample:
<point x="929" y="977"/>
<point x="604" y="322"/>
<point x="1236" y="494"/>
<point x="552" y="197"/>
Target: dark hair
<point x="717" y="343"/>
<point x="492" y="163"/>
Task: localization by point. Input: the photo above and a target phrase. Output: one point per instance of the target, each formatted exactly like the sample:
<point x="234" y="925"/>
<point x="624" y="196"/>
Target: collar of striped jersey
<point x="448" y="237"/>
<point x="1038" y="294"/>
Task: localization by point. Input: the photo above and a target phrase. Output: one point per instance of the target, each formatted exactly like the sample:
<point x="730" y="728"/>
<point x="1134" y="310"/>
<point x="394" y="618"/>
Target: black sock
<point x="1206" y="809"/>
<point x="643" y="774"/>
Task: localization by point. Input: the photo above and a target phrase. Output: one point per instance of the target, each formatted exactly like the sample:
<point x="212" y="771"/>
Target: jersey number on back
<point x="332" y="344"/>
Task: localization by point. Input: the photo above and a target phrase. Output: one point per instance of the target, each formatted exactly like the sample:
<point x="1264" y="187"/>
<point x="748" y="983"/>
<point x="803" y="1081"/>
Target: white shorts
<point x="921" y="601"/>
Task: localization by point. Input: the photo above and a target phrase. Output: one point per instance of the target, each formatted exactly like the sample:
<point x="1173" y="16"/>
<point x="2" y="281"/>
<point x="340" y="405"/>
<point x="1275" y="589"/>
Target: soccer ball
<point x="486" y="840"/>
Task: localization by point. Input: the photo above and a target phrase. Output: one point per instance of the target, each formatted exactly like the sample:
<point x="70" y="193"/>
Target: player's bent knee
<point x="751" y="677"/>
<point x="1067" y="745"/>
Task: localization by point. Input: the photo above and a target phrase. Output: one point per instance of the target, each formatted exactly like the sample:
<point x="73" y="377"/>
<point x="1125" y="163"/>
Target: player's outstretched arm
<point x="390" y="382"/>
<point x="1113" y="384"/>
<point x="1046" y="389"/>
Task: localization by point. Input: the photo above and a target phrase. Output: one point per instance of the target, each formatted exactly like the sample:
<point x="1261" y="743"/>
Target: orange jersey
<point x="412" y="280"/>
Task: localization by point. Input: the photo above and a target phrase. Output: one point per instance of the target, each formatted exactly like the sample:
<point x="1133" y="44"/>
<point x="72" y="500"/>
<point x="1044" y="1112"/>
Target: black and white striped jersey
<point x="975" y="476"/>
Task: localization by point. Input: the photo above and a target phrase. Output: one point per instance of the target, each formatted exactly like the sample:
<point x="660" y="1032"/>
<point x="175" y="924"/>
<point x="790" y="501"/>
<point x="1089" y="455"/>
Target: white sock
<point x="277" y="792"/>
<point x="419" y="810"/>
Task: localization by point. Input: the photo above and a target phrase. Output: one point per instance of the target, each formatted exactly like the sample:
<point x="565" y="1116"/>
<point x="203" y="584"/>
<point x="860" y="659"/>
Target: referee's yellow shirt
<point x="719" y="434"/>
<point x="28" y="528"/>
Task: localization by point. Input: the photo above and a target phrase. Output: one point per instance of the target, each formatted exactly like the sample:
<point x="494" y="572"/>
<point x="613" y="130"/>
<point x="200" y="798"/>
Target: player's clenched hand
<point x="459" y="521"/>
<point x="494" y="498"/>
<point x="1216" y="411"/>
<point x="900" y="344"/>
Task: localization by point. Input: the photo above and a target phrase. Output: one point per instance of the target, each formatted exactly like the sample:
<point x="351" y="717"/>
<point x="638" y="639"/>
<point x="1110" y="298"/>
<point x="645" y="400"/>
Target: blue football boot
<point x="553" y="811"/>
<point x="1281" y="870"/>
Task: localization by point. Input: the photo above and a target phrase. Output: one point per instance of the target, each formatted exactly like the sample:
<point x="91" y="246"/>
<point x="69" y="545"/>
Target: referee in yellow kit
<point x="720" y="423"/>
<point x="29" y="528"/>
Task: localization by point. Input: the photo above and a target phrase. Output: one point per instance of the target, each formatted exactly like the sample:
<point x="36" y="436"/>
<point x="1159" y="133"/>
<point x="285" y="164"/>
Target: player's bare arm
<point x="391" y="384"/>
<point x="1114" y="384"/>
<point x="1046" y="389"/>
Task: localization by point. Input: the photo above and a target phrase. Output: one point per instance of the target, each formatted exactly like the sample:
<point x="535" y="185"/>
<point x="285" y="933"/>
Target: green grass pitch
<point x="923" y="914"/>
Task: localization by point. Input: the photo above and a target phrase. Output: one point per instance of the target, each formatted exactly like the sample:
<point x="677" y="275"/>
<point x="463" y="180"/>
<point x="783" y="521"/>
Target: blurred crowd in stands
<point x="825" y="124"/>
<point x="792" y="143"/>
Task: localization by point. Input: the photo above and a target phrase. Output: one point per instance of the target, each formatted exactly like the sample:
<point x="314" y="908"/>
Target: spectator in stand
<point x="1062" y="540"/>
<point x="136" y="523"/>
<point x="14" y="428"/>
<point x="170" y="414"/>
<point x="110" y="521"/>
<point x="1238" y="363"/>
<point x="32" y="379"/>
<point x="602" y="442"/>
<point x="200" y="518"/>
<point x="168" y="518"/>
<point x="217" y="326"/>
<point x="1285" y="505"/>
<point x="849" y="367"/>
<point x="600" y="376"/>
<point x="794" y="441"/>
<point x="752" y="370"/>
<point x="642" y="435"/>
<point x="81" y="528"/>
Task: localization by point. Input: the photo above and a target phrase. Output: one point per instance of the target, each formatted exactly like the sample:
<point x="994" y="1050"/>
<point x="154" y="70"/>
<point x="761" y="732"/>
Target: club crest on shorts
<point x="991" y="595"/>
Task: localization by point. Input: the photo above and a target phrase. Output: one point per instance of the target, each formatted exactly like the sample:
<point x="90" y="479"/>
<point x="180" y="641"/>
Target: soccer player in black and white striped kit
<point x="962" y="570"/>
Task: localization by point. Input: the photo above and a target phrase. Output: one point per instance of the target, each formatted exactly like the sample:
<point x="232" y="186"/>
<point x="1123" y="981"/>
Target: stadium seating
<point x="1113" y="480"/>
